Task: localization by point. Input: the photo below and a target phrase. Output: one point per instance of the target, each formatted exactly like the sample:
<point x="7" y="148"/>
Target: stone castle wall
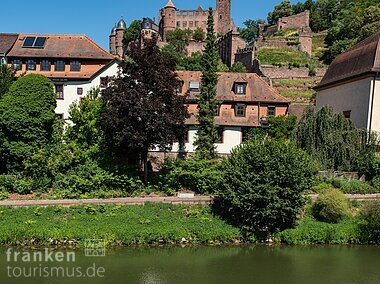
<point x="296" y="21"/>
<point x="228" y="45"/>
<point x="275" y="72"/>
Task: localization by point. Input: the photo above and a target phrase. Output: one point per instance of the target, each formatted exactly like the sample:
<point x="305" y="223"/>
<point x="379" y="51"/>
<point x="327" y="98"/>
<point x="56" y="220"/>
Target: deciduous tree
<point x="26" y="119"/>
<point x="142" y="110"/>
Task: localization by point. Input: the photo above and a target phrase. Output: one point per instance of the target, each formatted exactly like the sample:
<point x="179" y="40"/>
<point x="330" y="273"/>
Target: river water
<point x="238" y="264"/>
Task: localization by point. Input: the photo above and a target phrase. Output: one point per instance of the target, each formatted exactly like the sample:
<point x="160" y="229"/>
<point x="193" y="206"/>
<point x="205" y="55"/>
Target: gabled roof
<point x="361" y="59"/>
<point x="257" y="89"/>
<point x="61" y="46"/>
<point x="6" y="42"/>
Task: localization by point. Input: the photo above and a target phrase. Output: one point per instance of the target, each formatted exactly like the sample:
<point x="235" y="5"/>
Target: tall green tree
<point x="133" y="32"/>
<point x="26" y="120"/>
<point x="207" y="102"/>
<point x="333" y="141"/>
<point x="7" y="77"/>
<point x="283" y="9"/>
<point x="251" y="30"/>
<point x="142" y="110"/>
<point x="84" y="134"/>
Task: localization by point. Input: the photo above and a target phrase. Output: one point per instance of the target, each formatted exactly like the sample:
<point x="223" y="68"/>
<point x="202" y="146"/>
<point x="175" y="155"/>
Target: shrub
<point x="89" y="179"/>
<point x="355" y="187"/>
<point x="200" y="176"/>
<point x="371" y="214"/>
<point x="331" y="206"/>
<point x="320" y="187"/>
<point x="7" y="182"/>
<point x="263" y="186"/>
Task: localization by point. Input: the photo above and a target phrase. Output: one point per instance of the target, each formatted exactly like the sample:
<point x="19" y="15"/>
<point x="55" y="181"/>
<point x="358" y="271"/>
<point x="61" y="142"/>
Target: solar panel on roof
<point x="29" y="41"/>
<point x="40" y="42"/>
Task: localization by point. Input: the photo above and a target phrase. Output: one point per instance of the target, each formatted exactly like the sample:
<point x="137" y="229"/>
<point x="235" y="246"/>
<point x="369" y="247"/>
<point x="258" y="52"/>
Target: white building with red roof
<point x="74" y="63"/>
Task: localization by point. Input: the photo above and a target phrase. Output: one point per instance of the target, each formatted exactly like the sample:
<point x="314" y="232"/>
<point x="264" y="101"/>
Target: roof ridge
<point x="271" y="87"/>
<point x="98" y="46"/>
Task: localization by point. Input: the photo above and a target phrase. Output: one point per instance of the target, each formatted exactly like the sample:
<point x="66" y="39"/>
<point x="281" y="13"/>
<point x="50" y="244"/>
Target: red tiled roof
<point x="257" y="89"/>
<point x="61" y="46"/>
<point x="361" y="59"/>
<point x="6" y="42"/>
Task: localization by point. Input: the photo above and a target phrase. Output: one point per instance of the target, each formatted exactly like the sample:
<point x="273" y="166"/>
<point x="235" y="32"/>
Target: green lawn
<point x="120" y="225"/>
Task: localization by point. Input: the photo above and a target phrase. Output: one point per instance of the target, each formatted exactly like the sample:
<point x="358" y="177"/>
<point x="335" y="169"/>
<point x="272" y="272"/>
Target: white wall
<point x="354" y="96"/>
<point x="232" y="137"/>
<point x="375" y="126"/>
<point x="70" y="89"/>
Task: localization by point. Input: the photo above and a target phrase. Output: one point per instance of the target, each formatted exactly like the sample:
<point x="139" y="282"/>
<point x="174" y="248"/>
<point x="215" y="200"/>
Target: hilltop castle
<point x="171" y="18"/>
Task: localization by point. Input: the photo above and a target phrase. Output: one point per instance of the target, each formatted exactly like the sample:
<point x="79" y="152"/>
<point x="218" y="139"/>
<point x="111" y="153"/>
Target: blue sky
<point x="95" y="18"/>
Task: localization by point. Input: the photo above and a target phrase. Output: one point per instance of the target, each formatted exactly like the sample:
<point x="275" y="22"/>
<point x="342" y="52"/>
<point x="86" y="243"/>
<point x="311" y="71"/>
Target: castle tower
<point x="223" y="13"/>
<point x="113" y="41"/>
<point x="119" y="46"/>
<point x="168" y="18"/>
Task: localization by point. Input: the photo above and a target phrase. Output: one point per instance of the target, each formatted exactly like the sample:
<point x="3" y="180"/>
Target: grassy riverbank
<point x="118" y="225"/>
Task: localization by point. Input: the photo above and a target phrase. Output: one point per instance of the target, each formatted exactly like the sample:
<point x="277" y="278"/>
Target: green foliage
<point x="333" y="141"/>
<point x="251" y="30"/>
<point x="312" y="71"/>
<point x="371" y="215"/>
<point x="200" y="176"/>
<point x="7" y="77"/>
<point x="142" y="109"/>
<point x="199" y="34"/>
<point x="88" y="180"/>
<point x="352" y="22"/>
<point x="285" y="56"/>
<point x="26" y="120"/>
<point x="281" y="127"/>
<point x="133" y="32"/>
<point x="284" y="9"/>
<point x="85" y="136"/>
<point x="238" y="67"/>
<point x="179" y="39"/>
<point x="312" y="232"/>
<point x="263" y="187"/>
<point x="207" y="102"/>
<point x="331" y="206"/>
<point x="116" y="224"/>
<point x="354" y="187"/>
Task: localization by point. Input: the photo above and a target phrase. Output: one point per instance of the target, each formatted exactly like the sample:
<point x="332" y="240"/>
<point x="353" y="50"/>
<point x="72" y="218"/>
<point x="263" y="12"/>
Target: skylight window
<point x="34" y="42"/>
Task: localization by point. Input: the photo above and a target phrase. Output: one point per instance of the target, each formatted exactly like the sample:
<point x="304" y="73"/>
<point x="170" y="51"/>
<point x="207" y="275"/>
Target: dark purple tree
<point x="142" y="108"/>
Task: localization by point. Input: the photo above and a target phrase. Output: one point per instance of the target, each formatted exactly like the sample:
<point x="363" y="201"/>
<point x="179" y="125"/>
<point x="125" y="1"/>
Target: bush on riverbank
<point x="371" y="215"/>
<point x="200" y="176"/>
<point x="264" y="183"/>
<point x="331" y="206"/>
<point x="117" y="225"/>
<point x="310" y="232"/>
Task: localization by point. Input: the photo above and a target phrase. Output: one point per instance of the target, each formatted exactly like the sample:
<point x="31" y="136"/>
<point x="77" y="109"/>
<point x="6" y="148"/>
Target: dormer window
<point x="240" y="110"/>
<point x="240" y="88"/>
<point x="75" y="66"/>
<point x="195" y="86"/>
